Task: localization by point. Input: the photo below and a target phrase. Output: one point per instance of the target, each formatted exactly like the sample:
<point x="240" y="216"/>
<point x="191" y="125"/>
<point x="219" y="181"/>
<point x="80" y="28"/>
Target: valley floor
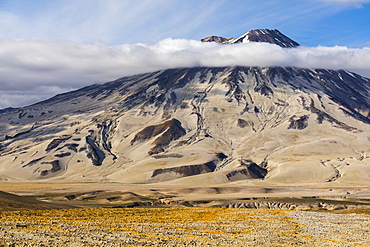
<point x="195" y="191"/>
<point x="181" y="227"/>
<point x="96" y="214"/>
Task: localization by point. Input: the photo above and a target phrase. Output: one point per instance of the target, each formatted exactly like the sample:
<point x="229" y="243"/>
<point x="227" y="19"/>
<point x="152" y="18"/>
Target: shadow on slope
<point x="11" y="202"/>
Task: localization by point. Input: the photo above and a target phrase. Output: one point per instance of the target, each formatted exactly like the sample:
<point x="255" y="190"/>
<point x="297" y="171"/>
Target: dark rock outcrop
<point x="63" y="155"/>
<point x="242" y="123"/>
<point x="165" y="132"/>
<point x="298" y="122"/>
<point x="32" y="162"/>
<point x="55" y="166"/>
<point x="94" y="153"/>
<point x="55" y="142"/>
<point x="70" y="146"/>
<point x="216" y="39"/>
<point x="247" y="170"/>
<point x="184" y="171"/>
<point x="8" y="137"/>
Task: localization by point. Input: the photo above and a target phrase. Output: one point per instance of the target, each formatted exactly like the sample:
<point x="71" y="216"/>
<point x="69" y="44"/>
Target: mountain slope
<point x="257" y="35"/>
<point x="196" y="126"/>
<point x="9" y="202"/>
<point x="268" y="36"/>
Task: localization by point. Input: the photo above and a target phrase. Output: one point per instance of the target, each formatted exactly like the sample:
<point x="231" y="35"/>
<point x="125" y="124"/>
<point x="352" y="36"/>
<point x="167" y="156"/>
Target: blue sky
<point x="49" y="47"/>
<point x="114" y="22"/>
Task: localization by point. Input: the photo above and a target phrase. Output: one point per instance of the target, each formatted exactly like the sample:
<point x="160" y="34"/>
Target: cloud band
<point x="31" y="67"/>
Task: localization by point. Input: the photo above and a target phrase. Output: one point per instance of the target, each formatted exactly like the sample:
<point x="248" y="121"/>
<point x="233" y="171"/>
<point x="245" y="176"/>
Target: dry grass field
<point x="181" y="227"/>
<point x="97" y="215"/>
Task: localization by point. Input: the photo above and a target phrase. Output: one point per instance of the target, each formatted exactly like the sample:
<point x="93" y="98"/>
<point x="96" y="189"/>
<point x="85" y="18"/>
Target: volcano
<point x="197" y="126"/>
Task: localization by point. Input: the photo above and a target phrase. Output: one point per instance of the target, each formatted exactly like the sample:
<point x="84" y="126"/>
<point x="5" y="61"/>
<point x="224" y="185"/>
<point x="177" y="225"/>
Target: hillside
<point x="196" y="126"/>
<point x="11" y="202"/>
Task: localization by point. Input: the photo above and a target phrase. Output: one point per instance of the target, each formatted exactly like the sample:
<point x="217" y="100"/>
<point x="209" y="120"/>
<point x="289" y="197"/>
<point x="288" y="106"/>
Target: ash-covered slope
<point x="257" y="35"/>
<point x="196" y="126"/>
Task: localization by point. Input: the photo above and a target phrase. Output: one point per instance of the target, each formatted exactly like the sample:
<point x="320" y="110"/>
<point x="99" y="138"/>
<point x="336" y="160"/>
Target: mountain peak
<point x="267" y="35"/>
<point x="257" y="35"/>
<point x="216" y="39"/>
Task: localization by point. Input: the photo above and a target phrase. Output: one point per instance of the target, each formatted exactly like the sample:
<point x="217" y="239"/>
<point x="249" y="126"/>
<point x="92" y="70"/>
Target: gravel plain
<point x="181" y="227"/>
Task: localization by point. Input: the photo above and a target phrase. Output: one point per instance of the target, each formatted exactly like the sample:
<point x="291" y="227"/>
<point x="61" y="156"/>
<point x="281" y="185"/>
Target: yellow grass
<point x="156" y="227"/>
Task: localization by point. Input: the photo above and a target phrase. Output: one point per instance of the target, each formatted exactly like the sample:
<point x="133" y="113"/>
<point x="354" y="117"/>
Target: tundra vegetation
<point x="181" y="227"/>
<point x="308" y="222"/>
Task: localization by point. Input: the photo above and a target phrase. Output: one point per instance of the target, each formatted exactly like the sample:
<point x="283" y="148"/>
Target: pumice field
<point x="162" y="217"/>
<point x="182" y="227"/>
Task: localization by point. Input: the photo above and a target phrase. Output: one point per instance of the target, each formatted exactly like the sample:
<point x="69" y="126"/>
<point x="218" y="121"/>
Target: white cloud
<point x="35" y="70"/>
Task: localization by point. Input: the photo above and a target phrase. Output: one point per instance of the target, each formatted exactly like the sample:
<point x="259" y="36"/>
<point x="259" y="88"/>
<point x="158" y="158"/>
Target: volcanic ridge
<point x="198" y="126"/>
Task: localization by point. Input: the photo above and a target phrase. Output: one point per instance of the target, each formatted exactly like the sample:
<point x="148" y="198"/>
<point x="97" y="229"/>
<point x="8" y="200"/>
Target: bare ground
<point x="182" y="227"/>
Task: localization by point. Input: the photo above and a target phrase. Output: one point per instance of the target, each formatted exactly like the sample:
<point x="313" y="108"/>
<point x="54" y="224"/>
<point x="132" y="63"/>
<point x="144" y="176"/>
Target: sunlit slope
<point x="194" y="126"/>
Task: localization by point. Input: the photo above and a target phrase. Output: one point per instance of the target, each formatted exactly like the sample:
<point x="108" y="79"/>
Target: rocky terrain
<point x="198" y="127"/>
<point x="181" y="227"/>
<point x="256" y="35"/>
<point x="113" y="218"/>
